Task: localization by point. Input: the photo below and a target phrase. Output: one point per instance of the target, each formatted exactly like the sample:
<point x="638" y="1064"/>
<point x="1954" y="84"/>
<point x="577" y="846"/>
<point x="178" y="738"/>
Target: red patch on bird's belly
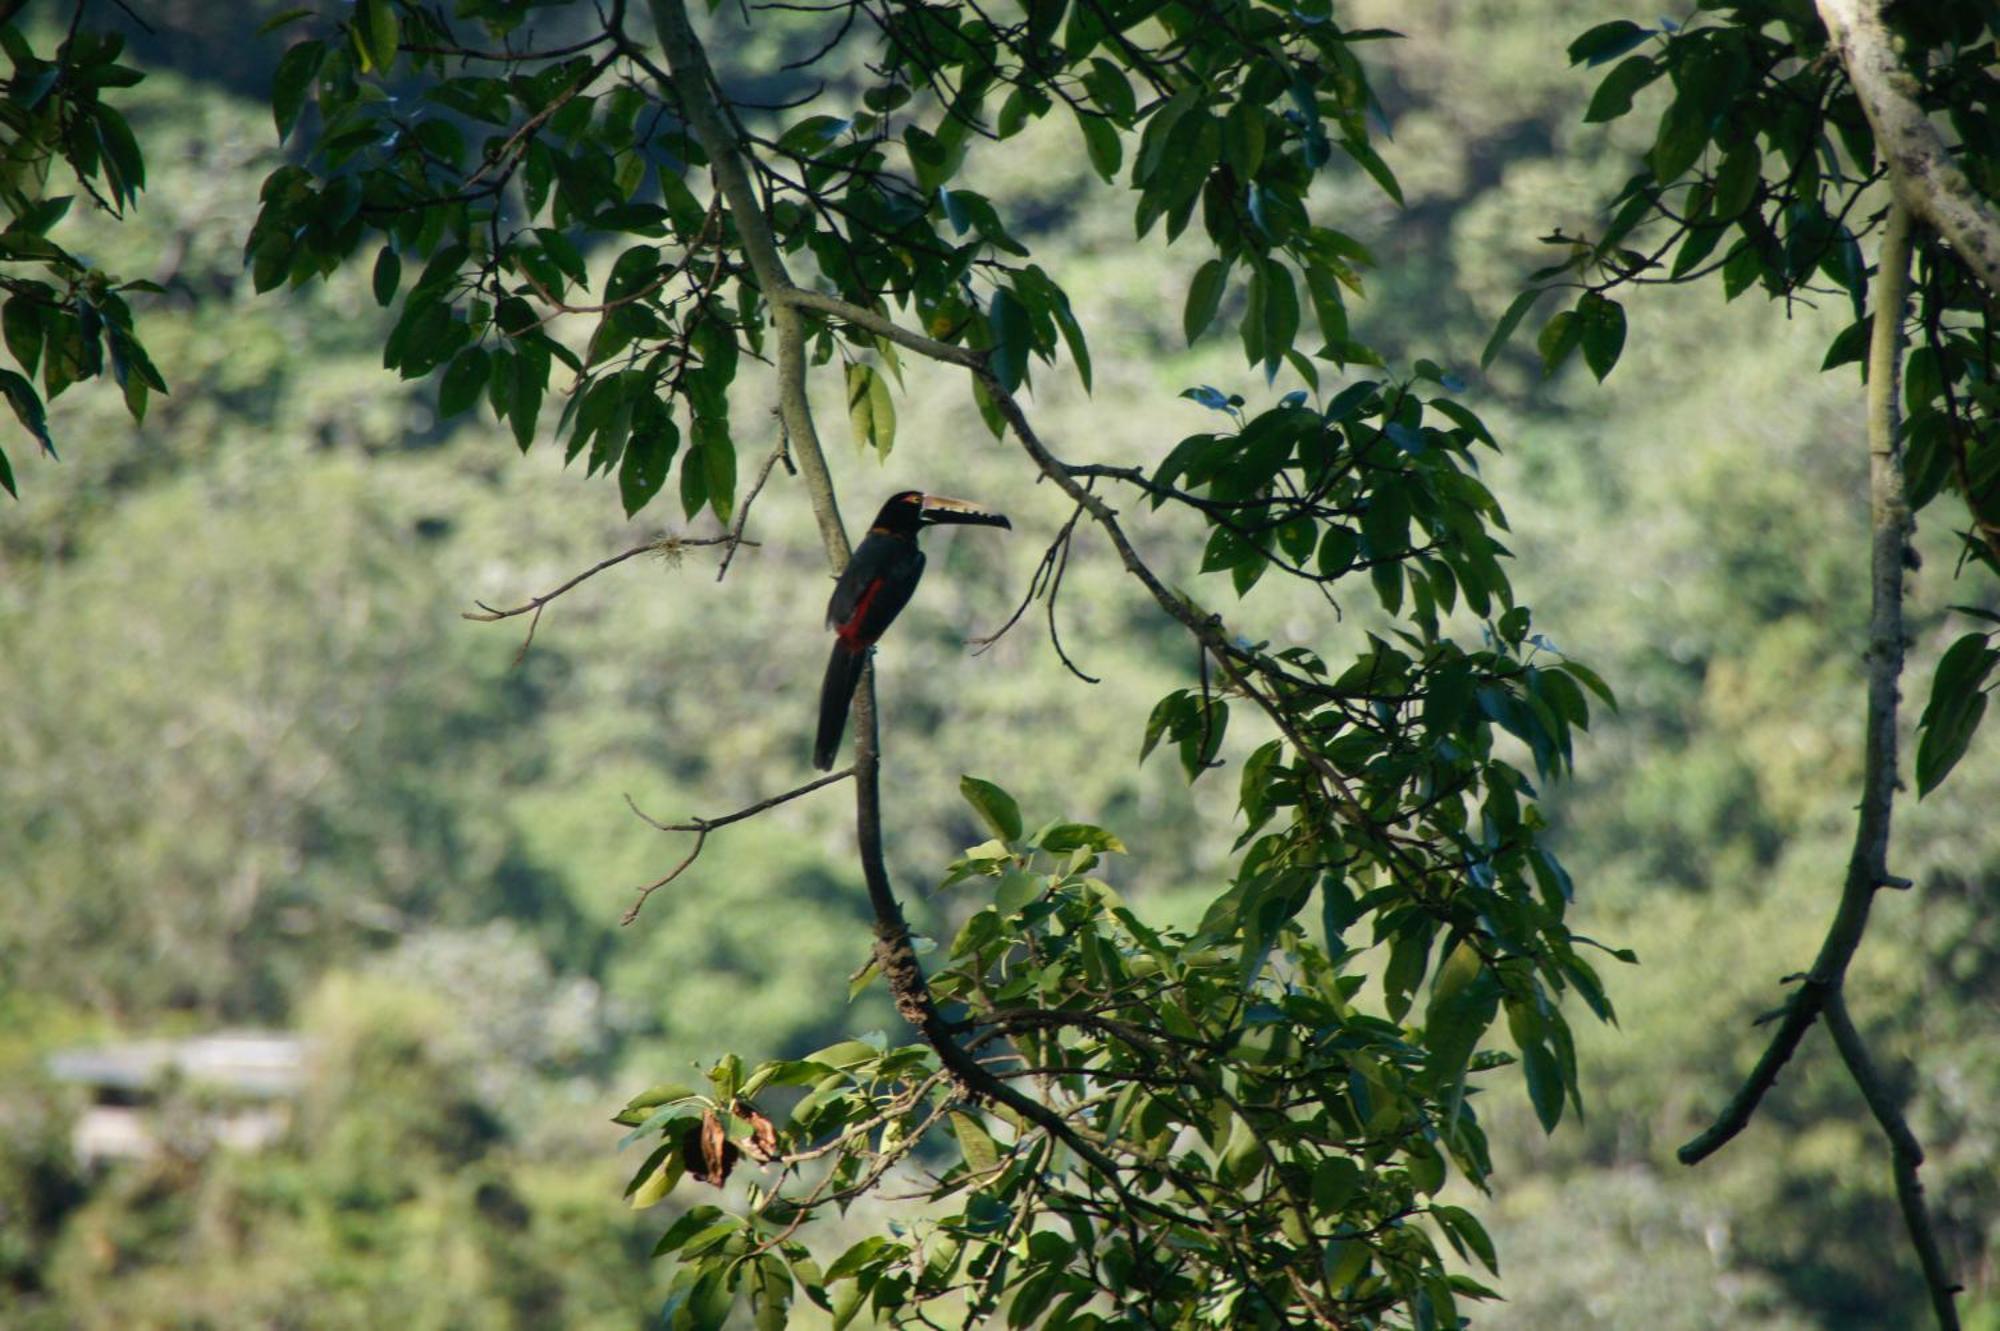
<point x="850" y="631"/>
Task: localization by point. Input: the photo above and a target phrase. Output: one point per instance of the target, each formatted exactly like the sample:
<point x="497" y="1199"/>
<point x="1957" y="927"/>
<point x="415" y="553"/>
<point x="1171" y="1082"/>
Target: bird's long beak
<point x="939" y="509"/>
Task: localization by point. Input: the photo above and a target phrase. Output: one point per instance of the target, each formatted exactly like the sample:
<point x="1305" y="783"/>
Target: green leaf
<point x="1335" y="1180"/>
<point x="1016" y="888"/>
<point x="1344" y="1261"/>
<point x="1559" y="337"/>
<point x="1607" y="41"/>
<point x="1377" y="169"/>
<point x="1204" y="297"/>
<point x="975" y="1143"/>
<point x="375" y="35"/>
<point x="293" y="80"/>
<point x="7" y="475"/>
<point x="1072" y="333"/>
<point x="1737" y="180"/>
<point x="1683" y="134"/>
<point x="1409" y="958"/>
<point x="1517" y="309"/>
<point x="21" y="322"/>
<point x="1462" y="1227"/>
<point x="28" y="408"/>
<point x="995" y="807"/>
<point x="694" y="480"/>
<point x="1957" y="704"/>
<point x="1601" y="325"/>
<point x="1101" y="142"/>
<point x="388" y="275"/>
<point x="1614" y="94"/>
<point x="649" y="454"/>
<point x="290" y="16"/>
<point x="464" y="381"/>
<point x="1008" y="320"/>
<point x="1243" y="138"/>
<point x="871" y="412"/>
<point x="1061" y="838"/>
<point x="719" y="464"/>
<point x="124" y="167"/>
<point x="1545" y="1083"/>
<point x="1280" y="315"/>
<point x="655" y="1183"/>
<point x="846" y="1054"/>
<point x="1587" y="677"/>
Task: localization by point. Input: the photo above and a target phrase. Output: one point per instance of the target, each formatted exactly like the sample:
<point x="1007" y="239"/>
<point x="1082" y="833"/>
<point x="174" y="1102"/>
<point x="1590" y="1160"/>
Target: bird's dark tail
<point x="843" y="673"/>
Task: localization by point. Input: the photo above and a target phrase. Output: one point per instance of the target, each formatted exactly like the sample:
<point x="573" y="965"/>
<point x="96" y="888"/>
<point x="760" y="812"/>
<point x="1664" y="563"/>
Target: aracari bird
<point x="872" y="591"/>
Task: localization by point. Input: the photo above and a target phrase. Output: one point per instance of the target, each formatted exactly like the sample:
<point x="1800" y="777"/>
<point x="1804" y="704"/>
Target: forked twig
<point x="487" y="614"/>
<point x="701" y="827"/>
<point x="782" y="453"/>
<point x="1047" y="579"/>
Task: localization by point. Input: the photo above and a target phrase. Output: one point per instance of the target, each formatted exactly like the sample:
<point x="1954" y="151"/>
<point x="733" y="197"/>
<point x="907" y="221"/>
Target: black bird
<point x="872" y="591"/>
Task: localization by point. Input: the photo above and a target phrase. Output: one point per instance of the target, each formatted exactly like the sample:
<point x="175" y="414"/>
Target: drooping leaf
<point x="1204" y="297"/>
<point x="995" y="807"/>
<point x="1601" y="331"/>
<point x="1957" y="704"/>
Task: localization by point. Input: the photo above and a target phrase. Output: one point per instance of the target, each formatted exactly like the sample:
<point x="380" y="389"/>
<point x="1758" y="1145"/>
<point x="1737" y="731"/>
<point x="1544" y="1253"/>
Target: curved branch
<point x="665" y="545"/>
<point x="695" y="85"/>
<point x="1926" y="180"/>
<point x="1868" y="865"/>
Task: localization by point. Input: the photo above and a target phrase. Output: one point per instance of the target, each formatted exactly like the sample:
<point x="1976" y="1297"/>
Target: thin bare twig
<point x="1047" y="579"/>
<point x="781" y="453"/>
<point x="701" y="827"/>
<point x="487" y="614"/>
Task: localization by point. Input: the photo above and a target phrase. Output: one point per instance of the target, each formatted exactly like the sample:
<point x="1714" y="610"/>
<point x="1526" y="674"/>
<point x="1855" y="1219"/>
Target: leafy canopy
<point x="1246" y="1123"/>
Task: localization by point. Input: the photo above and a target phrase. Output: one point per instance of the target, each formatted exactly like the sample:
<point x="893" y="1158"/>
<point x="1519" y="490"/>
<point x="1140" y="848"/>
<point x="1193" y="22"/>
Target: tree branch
<point x="780" y="452"/>
<point x="664" y="545"/>
<point x="695" y="85"/>
<point x="1868" y="865"/>
<point x="1926" y="180"/>
<point x="701" y="98"/>
<point x="861" y="317"/>
<point x="1905" y="1155"/>
<point x="701" y="827"/>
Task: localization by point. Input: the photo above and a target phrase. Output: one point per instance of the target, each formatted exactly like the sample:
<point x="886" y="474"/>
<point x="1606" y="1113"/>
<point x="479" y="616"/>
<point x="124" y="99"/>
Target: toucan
<point x="872" y="591"/>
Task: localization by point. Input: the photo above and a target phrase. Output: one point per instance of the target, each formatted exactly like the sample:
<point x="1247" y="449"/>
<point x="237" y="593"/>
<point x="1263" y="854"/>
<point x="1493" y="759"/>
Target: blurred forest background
<point x="256" y="772"/>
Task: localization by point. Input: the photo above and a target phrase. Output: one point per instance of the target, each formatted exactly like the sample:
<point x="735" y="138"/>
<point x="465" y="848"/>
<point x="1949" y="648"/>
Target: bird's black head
<point x="906" y="513"/>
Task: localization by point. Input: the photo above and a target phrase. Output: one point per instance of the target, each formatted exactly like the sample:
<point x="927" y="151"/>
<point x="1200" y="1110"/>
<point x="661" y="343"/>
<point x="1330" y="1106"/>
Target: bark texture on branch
<point x="1820" y="993"/>
<point x="1925" y="179"/>
<point x="1868" y="865"/>
<point x="695" y="91"/>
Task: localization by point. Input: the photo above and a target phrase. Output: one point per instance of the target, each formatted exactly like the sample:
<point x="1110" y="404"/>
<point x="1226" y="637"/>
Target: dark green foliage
<point x="1763" y="170"/>
<point x="1189" y="1134"/>
<point x="64" y="317"/>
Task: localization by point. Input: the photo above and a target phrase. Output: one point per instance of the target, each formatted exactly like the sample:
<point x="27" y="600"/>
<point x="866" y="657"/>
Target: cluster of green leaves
<point x="1235" y="109"/>
<point x="64" y="318"/>
<point x="499" y="184"/>
<point x="1764" y="172"/>
<point x="1241" y="1124"/>
<point x="1252" y="1110"/>
<point x="505" y="170"/>
<point x="1277" y="1112"/>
